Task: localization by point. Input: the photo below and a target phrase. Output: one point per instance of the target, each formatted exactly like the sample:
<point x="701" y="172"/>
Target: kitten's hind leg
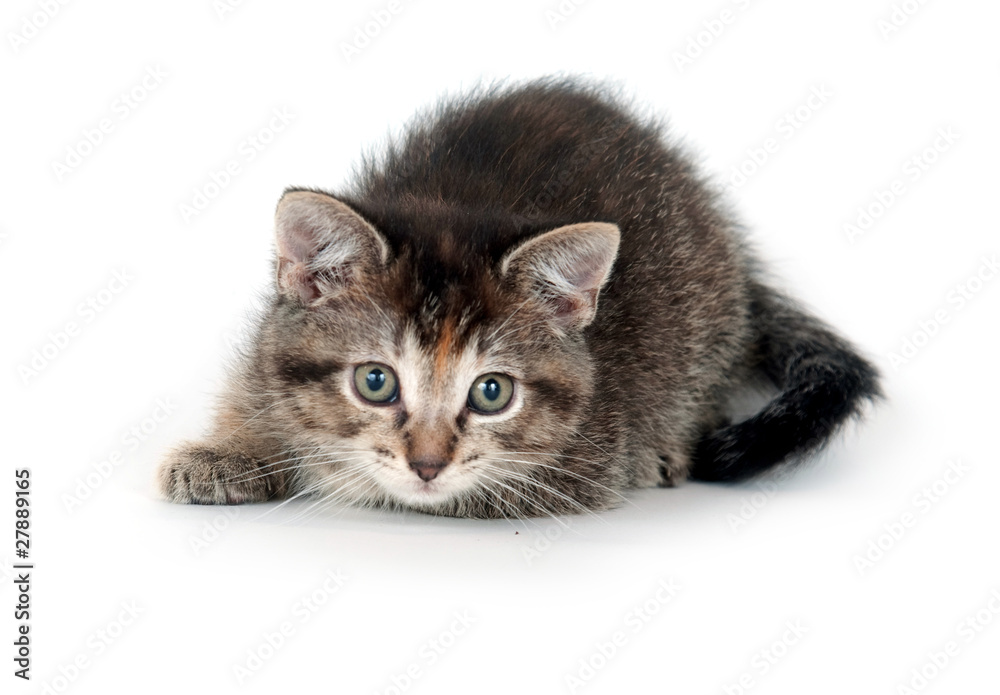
<point x="201" y="474"/>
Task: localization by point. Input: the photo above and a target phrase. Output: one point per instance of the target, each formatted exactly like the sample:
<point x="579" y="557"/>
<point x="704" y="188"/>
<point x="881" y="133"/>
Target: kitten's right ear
<point x="323" y="246"/>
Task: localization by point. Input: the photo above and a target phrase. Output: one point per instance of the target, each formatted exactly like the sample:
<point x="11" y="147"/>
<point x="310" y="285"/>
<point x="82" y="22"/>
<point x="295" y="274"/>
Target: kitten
<point x="528" y="304"/>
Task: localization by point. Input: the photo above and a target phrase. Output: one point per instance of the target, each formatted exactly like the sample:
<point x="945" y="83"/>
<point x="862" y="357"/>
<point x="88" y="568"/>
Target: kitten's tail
<point x="823" y="380"/>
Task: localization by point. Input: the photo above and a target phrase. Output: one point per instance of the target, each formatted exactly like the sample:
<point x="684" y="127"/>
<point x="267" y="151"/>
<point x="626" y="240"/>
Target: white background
<point x="747" y="560"/>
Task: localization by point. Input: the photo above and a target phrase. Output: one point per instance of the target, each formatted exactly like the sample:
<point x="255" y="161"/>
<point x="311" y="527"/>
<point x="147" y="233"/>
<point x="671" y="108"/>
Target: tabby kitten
<point x="526" y="305"/>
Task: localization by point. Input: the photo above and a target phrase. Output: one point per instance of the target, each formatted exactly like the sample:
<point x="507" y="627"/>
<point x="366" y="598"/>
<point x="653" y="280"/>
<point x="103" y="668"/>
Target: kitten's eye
<point x="491" y="393"/>
<point x="376" y="383"/>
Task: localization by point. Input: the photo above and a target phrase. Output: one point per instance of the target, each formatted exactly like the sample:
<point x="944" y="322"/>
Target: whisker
<point x="481" y="493"/>
<point x="310" y="456"/>
<point x="348" y="495"/>
<point x="324" y="462"/>
<point x="505" y="321"/>
<point x="534" y="503"/>
<point x="501" y="499"/>
<point x="613" y="458"/>
<point x="567" y="472"/>
<point x="258" y="414"/>
<point x="306" y="449"/>
<point x="305" y="491"/>
<point x="533" y="481"/>
<point x="332" y="496"/>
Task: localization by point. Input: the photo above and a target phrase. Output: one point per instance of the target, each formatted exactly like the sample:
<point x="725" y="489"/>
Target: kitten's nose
<point x="428" y="469"/>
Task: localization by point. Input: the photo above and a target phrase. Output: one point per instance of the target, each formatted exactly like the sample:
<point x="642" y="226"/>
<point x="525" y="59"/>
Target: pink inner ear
<point x="296" y="247"/>
<point x="565" y="306"/>
<point x="587" y="275"/>
<point x="297" y="242"/>
<point x="297" y="277"/>
<point x="323" y="245"/>
<point x="567" y="267"/>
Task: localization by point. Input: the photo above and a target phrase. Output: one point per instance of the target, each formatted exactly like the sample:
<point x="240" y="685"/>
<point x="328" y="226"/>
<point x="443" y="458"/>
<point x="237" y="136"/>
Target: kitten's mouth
<point x="431" y="489"/>
<point x="423" y="493"/>
<point x="428" y="489"/>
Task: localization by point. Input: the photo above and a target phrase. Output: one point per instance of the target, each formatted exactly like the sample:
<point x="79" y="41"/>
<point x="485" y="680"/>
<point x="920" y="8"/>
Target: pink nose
<point x="428" y="470"/>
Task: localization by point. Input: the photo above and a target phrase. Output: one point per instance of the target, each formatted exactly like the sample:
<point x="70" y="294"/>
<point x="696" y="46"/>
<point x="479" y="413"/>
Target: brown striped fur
<point x="482" y="241"/>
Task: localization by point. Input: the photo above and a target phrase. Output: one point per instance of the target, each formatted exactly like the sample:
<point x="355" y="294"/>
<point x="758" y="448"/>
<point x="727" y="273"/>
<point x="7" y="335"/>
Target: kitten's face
<point x="444" y="391"/>
<point x="426" y="411"/>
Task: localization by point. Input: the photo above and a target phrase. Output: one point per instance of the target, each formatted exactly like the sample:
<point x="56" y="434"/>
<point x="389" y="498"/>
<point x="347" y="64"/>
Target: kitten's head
<point x="430" y="364"/>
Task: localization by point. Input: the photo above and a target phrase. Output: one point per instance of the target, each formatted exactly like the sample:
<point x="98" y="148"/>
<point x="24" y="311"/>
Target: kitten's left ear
<point x="323" y="246"/>
<point x="564" y="269"/>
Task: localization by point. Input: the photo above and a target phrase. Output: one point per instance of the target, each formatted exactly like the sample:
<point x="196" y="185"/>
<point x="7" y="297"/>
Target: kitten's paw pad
<point x="198" y="475"/>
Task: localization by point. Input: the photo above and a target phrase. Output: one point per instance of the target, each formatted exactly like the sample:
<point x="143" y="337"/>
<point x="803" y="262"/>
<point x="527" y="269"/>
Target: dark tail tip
<point x="825" y="384"/>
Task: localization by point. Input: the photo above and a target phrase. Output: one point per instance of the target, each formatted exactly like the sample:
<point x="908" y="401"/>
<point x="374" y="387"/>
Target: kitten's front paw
<point x="199" y="475"/>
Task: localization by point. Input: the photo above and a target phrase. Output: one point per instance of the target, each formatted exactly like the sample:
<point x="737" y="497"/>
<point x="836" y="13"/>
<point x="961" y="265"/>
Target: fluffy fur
<point x="543" y="232"/>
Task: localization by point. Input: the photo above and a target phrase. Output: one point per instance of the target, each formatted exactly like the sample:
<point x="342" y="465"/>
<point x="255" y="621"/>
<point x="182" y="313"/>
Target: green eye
<point x="376" y="383"/>
<point x="491" y="393"/>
